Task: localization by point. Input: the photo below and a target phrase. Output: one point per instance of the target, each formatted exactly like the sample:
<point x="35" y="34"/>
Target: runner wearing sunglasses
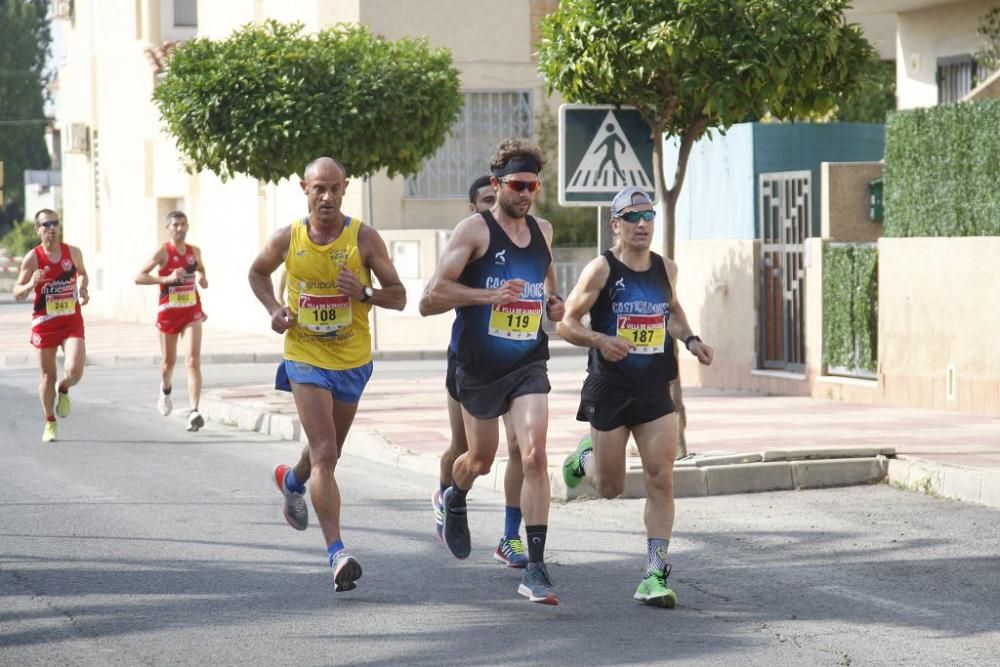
<point x="495" y="271"/>
<point x="54" y="272"/>
<point x="510" y="549"/>
<point x="629" y="294"/>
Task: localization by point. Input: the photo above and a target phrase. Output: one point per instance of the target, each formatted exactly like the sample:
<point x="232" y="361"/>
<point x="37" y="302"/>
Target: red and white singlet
<point x="56" y="314"/>
<point x="180" y="304"/>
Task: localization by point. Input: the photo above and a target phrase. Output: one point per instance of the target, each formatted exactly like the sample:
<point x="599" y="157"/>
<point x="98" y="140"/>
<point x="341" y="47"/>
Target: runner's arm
<point x="678" y="326"/>
<point x="200" y="275"/>
<point x="269" y="259"/>
<point x="444" y="292"/>
<point x="27" y="278"/>
<point x="555" y="306"/>
<point x="83" y="287"/>
<point x="392" y="294"/>
<point x="579" y="303"/>
<point x="159" y="258"/>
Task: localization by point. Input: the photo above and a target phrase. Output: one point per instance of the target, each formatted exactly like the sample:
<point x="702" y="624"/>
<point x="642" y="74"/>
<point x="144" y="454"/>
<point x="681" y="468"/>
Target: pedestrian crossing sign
<point x="602" y="149"/>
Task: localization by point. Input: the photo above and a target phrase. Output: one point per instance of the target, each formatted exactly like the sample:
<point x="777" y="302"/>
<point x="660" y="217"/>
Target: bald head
<point x="322" y="164"/>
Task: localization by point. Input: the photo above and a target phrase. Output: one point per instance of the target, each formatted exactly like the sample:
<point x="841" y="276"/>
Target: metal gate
<point x="785" y="216"/>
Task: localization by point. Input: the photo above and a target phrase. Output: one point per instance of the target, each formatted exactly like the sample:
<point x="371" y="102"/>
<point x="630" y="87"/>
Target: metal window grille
<point x="956" y="77"/>
<point x="487" y="119"/>
<point x="186" y="13"/>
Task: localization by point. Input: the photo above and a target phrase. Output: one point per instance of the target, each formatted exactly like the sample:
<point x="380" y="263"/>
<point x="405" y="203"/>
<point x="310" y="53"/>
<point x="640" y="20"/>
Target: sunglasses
<point x="521" y="186"/>
<point x="49" y="223"/>
<point x="636" y="216"/>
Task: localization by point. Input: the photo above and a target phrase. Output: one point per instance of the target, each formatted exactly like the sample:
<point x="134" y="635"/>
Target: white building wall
<point x="925" y="35"/>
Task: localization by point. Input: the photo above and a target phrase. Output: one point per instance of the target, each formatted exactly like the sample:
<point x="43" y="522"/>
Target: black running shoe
<point x="456" y="526"/>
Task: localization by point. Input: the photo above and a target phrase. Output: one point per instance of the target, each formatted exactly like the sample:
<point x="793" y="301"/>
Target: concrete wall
<point x="924" y="35"/>
<point x="938" y="311"/>
<point x="845" y="201"/>
<point x="717" y="200"/>
<point x="487" y="60"/>
<point x="717" y="287"/>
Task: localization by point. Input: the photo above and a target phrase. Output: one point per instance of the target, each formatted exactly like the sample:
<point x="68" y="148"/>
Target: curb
<point x="942" y="480"/>
<point x="709" y="476"/>
<point x="27" y="360"/>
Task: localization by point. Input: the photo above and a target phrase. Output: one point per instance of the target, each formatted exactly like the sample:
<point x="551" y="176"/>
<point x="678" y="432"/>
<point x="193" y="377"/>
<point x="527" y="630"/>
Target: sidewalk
<point x="742" y="441"/>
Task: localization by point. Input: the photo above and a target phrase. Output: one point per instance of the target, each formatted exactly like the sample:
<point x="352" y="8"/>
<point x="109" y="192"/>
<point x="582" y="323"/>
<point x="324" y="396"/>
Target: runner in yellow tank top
<point x="329" y="259"/>
<point x="331" y="329"/>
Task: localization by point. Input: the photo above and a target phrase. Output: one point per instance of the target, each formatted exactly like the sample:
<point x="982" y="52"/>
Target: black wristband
<point x="687" y="341"/>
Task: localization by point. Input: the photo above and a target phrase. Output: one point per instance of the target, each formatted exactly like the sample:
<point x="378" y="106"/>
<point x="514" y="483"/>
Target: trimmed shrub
<point x="850" y="308"/>
<point x="942" y="167"/>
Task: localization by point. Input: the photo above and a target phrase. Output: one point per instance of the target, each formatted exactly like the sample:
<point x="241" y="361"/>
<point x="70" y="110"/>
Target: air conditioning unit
<point x="62" y="9"/>
<point x="78" y="138"/>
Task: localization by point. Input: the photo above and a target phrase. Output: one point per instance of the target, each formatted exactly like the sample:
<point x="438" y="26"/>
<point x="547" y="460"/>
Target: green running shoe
<point x="62" y="404"/>
<point x="49" y="432"/>
<point x="573" y="472"/>
<point x="653" y="590"/>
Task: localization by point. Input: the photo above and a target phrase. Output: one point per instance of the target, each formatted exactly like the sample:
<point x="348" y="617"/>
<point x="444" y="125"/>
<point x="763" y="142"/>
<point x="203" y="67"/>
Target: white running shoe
<point x="165" y="404"/>
<point x="195" y="420"/>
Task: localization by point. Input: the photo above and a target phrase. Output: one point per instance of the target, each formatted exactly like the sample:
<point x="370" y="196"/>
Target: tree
<point x="24" y="44"/>
<point x="692" y="66"/>
<point x="988" y="55"/>
<point x="268" y="99"/>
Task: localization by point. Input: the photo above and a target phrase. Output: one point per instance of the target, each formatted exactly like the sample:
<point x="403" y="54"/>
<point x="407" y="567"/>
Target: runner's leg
<point x="47" y="385"/>
<point x="657" y="443"/>
<point x="606" y="467"/>
<point x="193" y="363"/>
<point x="168" y="351"/>
<point x="76" y="356"/>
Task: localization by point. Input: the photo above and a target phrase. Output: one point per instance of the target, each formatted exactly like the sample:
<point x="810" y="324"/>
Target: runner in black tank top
<point x="496" y="272"/>
<point x="634" y="316"/>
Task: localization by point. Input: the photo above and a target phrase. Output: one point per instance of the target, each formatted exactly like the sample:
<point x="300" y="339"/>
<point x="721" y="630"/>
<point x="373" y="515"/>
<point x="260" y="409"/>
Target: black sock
<point x="536" y="543"/>
<point x="457" y="496"/>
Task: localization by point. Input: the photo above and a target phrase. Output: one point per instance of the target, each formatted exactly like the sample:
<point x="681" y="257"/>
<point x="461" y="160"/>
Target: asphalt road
<point x="133" y="542"/>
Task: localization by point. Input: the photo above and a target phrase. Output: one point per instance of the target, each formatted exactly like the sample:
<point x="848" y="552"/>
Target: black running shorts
<point x="607" y="406"/>
<point x="449" y="376"/>
<point x="492" y="399"/>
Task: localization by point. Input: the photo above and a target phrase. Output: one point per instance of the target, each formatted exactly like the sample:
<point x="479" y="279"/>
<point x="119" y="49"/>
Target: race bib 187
<point x="647" y="333"/>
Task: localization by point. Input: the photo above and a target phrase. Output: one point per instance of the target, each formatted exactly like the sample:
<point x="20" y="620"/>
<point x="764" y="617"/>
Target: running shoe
<point x="346" y="571"/>
<point x="195" y="420"/>
<point x="49" y="434"/>
<point x="653" y="590"/>
<point x="573" y="472"/>
<point x="438" y="514"/>
<point x="165" y="403"/>
<point x="296" y="511"/>
<point x="536" y="585"/>
<point x="456" y="526"/>
<point x="62" y="404"/>
<point x="511" y="552"/>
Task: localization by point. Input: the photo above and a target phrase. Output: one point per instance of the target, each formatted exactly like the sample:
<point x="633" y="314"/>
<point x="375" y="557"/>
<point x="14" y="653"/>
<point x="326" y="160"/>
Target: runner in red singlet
<point x="179" y="269"/>
<point x="55" y="274"/>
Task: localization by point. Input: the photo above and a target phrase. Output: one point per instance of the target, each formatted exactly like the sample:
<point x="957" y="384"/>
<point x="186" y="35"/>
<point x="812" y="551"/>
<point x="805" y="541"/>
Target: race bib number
<point x="647" y="333"/>
<point x="59" y="305"/>
<point x="181" y="296"/>
<point x="324" y="314"/>
<point x="519" y="320"/>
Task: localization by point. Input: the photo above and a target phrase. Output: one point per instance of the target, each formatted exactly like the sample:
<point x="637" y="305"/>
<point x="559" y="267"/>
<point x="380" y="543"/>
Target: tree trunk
<point x="669" y="199"/>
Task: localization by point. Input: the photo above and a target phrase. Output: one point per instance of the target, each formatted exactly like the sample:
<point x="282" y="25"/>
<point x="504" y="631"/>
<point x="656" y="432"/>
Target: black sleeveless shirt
<point x="635" y="305"/>
<point x="494" y="340"/>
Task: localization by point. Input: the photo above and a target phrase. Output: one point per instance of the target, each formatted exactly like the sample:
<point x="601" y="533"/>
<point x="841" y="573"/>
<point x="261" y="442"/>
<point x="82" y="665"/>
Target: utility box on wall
<point x="876" y="207"/>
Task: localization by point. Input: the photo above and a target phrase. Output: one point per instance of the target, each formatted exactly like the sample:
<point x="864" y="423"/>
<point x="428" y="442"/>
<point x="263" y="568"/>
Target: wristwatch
<point x="687" y="341"/>
<point x="366" y="293"/>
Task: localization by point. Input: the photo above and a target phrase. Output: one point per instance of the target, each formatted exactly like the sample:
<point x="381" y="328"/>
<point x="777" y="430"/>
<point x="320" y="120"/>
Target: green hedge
<point x="942" y="169"/>
<point x="850" y="307"/>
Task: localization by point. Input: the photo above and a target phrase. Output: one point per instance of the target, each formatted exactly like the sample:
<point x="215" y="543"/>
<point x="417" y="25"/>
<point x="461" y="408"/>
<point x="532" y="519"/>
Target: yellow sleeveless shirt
<point x="331" y="330"/>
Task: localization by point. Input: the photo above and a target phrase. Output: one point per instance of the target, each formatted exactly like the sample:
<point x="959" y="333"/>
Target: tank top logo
<point x="619" y="286"/>
<point x="190" y="259"/>
<point x="500" y="258"/>
<point x="67" y="264"/>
